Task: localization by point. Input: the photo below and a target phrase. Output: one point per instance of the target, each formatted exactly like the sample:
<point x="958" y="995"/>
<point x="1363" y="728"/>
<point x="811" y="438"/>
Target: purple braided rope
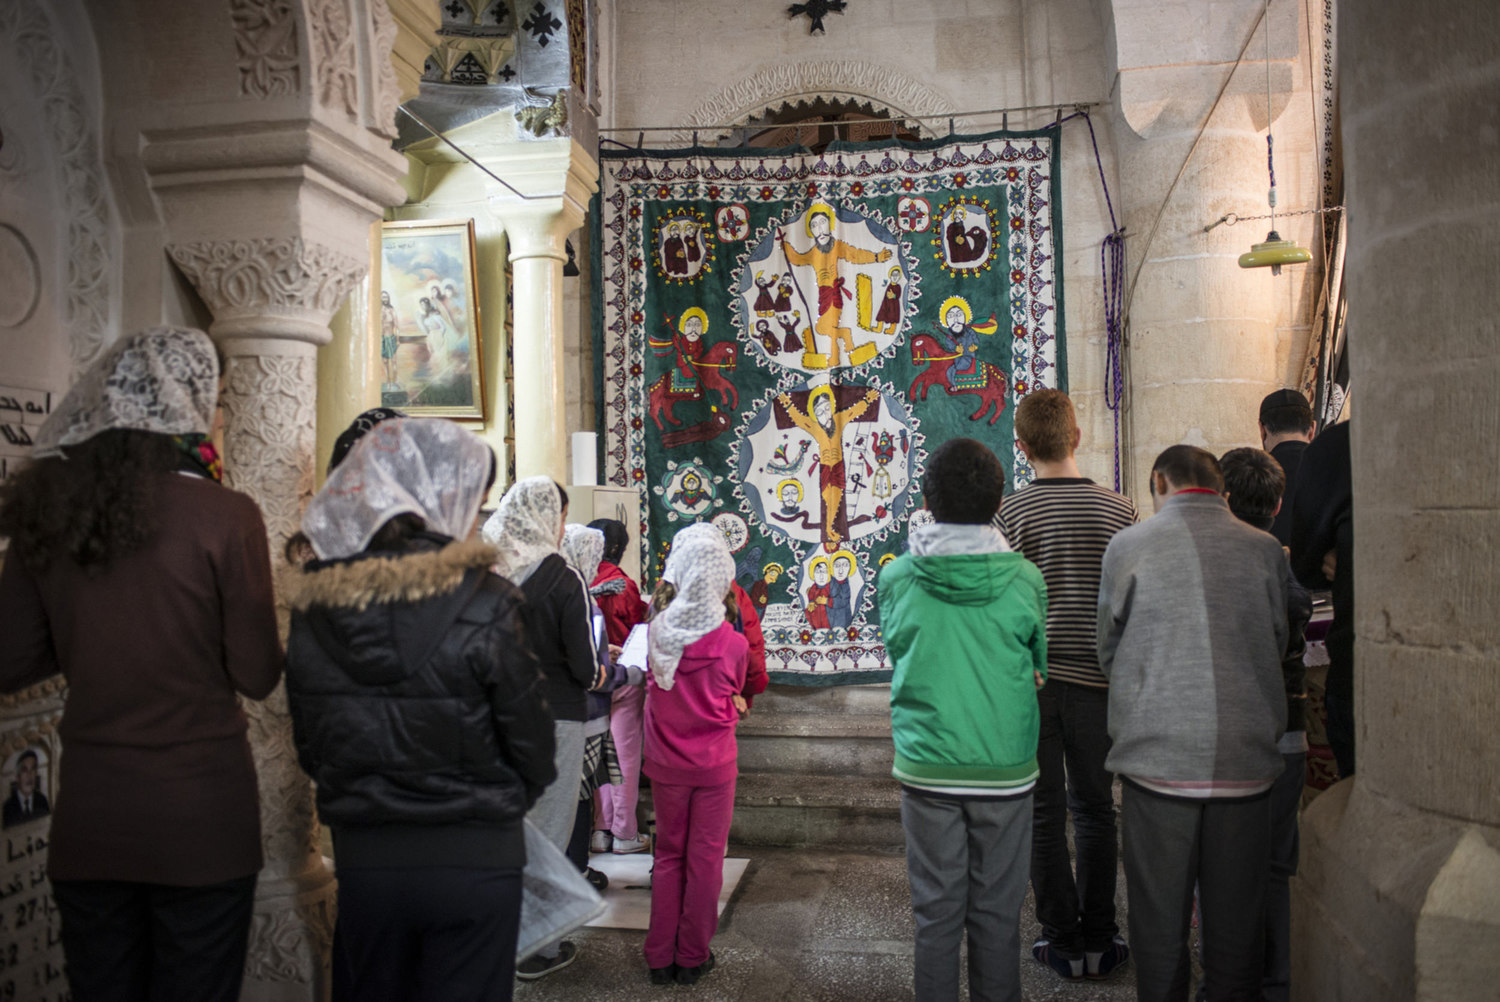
<point x="1112" y="269"/>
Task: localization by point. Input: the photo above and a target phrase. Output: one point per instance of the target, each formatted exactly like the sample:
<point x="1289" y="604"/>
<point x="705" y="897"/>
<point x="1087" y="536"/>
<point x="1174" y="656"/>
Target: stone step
<point x="840" y="699"/>
<point x="805" y="809"/>
<point x="856" y="744"/>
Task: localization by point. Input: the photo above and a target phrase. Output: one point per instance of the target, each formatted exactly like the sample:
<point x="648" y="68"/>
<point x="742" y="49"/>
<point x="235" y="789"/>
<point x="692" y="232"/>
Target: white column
<point x="537" y="256"/>
<point x="563" y="176"/>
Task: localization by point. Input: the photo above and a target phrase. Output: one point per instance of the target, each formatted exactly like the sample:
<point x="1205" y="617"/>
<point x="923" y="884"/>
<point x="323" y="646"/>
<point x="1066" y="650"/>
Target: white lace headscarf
<point x="583" y="549"/>
<point x="701" y="568"/>
<point x="525" y="527"/>
<point x="420" y="466"/>
<point x="164" y="380"/>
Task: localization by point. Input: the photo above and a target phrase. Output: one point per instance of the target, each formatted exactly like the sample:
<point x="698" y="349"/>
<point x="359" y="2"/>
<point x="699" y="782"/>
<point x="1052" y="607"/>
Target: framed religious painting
<point x="427" y="325"/>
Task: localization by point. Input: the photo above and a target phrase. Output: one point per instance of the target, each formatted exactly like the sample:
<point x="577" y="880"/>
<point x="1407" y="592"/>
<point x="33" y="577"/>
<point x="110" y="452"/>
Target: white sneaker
<point x="601" y="841"/>
<point x="625" y="846"/>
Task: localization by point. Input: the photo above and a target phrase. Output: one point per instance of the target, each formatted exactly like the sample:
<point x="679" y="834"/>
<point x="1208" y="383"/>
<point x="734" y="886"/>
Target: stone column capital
<point x="540" y="228"/>
<point x="269" y="288"/>
<point x="557" y="177"/>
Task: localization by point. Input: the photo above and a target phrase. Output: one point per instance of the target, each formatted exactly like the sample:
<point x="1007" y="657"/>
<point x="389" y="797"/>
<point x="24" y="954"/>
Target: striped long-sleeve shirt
<point x="1063" y="524"/>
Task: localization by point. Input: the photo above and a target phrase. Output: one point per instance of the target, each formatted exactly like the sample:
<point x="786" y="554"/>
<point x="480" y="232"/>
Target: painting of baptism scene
<point x="429" y="355"/>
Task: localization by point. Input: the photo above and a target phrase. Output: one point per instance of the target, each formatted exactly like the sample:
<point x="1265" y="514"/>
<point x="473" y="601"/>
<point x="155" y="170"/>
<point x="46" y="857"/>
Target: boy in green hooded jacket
<point x="964" y="621"/>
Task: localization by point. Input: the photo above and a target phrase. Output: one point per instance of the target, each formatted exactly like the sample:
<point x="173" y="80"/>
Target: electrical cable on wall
<point x="1112" y="271"/>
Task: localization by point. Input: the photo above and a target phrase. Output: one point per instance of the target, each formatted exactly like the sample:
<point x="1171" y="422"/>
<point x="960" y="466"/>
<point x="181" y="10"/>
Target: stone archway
<point x="775" y="87"/>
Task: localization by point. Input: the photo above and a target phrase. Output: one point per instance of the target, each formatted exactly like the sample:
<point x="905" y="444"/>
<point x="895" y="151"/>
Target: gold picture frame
<point x="426" y="324"/>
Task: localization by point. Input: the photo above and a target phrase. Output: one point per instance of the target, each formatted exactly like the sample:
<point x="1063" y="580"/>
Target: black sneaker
<point x="597" y="880"/>
<point x="1064" y="965"/>
<point x="536" y="967"/>
<point x="690" y="975"/>
<point x="664" y="975"/>
<point x="1100" y="964"/>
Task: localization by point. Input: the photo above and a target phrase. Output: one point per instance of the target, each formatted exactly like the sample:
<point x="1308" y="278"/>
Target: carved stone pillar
<point x="1398" y="896"/>
<point x="249" y="146"/>
<point x="272" y="299"/>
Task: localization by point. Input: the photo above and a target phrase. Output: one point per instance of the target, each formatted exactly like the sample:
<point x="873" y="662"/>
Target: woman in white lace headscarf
<point x="147" y="584"/>
<point x="583" y="547"/>
<point x="527" y="527"/>
<point x="700" y="570"/>
<point x="415" y="709"/>
<point x="527" y="530"/>
<point x="698" y="664"/>
<point x="426" y="467"/>
<point x="163" y="380"/>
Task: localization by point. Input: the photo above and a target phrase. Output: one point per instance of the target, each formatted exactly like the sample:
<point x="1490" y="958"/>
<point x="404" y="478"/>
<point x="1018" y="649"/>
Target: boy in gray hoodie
<point x="1192" y="629"/>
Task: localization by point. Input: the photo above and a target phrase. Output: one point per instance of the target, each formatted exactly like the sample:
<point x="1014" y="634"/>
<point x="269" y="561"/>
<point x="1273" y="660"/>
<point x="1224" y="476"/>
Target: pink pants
<point x="692" y="828"/>
<point x="614" y="804"/>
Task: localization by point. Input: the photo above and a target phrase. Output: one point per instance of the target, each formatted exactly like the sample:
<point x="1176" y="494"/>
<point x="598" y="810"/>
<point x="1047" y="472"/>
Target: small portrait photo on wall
<point x="26" y="774"/>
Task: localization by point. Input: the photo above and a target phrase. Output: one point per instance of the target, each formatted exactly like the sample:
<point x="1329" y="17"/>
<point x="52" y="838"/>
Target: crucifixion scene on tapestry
<point x="782" y="334"/>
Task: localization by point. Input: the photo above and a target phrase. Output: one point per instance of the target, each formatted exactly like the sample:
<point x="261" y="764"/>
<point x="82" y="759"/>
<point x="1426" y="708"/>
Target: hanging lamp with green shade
<point x="1273" y="252"/>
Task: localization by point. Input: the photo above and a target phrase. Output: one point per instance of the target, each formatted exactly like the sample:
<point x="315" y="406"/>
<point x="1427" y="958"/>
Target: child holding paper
<point x="698" y="664"/>
<point x="619" y="599"/>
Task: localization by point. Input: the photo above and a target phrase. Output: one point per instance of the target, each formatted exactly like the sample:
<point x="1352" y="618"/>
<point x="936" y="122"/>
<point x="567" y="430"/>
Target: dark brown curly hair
<point x="97" y="504"/>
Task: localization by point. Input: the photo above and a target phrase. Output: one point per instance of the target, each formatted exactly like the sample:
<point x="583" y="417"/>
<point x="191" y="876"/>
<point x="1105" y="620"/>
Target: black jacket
<point x="558" y="625"/>
<point x="1323" y="520"/>
<point x="416" y="705"/>
<point x="1299" y="608"/>
<point x="1289" y="455"/>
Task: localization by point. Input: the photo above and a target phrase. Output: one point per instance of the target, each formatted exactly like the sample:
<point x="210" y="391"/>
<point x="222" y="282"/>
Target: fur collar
<point x="358" y="584"/>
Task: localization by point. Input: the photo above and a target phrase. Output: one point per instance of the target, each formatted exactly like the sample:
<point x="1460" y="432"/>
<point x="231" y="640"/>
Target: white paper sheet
<point x="634" y="653"/>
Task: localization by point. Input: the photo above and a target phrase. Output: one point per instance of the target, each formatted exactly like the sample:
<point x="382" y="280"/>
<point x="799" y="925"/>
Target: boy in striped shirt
<point x="1062" y="522"/>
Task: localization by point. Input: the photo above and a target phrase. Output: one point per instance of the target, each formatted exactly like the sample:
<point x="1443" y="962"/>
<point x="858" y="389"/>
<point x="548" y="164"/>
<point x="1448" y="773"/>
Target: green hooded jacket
<point x="965" y="632"/>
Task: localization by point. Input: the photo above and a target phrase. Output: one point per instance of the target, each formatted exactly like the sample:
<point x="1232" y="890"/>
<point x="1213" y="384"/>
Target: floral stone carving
<point x="265" y="37"/>
<point x="49" y="69"/>
<point x="236" y="277"/>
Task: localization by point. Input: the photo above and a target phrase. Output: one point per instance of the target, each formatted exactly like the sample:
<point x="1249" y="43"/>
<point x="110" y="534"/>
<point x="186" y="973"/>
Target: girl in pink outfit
<point x="698" y="666"/>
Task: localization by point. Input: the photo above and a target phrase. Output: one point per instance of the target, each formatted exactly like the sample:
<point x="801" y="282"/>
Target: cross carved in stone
<point x="816" y="10"/>
<point x="541" y="24"/>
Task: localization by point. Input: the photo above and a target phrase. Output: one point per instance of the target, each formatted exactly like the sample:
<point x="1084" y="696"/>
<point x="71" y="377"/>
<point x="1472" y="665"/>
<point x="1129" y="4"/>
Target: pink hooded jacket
<point x="690" y="727"/>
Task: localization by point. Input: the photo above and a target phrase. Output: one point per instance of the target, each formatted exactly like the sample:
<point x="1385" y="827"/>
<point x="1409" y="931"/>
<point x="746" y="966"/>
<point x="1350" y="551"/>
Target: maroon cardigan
<point x="156" y="781"/>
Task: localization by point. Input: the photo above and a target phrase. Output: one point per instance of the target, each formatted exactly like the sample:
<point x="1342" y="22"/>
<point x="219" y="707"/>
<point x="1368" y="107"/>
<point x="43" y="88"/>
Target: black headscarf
<point x="356" y="431"/>
<point x="616" y="537"/>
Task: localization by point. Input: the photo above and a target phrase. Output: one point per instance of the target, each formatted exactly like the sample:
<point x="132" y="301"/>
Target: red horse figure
<point x="925" y="348"/>
<point x="717" y="359"/>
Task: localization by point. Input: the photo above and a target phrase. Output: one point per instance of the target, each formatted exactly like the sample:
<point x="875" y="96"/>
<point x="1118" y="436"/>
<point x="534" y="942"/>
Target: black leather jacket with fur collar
<point x="416" y="705"/>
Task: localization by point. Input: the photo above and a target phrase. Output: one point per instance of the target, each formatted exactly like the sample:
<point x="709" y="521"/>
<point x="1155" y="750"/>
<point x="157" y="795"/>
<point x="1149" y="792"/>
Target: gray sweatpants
<point x="557" y="808"/>
<point x="1224" y="846"/>
<point x="968" y="862"/>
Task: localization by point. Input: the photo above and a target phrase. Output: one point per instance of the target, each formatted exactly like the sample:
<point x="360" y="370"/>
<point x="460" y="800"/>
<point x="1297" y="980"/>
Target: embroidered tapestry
<point x="781" y="336"/>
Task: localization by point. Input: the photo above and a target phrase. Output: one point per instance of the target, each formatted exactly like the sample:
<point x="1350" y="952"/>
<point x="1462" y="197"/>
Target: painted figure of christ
<point x="821" y="417"/>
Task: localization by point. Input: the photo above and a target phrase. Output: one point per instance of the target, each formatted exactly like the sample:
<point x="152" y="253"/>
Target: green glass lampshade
<point x="1274" y="253"/>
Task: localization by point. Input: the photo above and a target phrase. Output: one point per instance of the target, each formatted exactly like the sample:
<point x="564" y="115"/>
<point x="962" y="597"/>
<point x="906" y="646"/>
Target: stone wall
<point x="57" y="226"/>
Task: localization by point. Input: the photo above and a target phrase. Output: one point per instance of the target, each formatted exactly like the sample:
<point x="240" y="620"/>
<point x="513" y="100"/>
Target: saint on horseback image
<point x="951" y="353"/>
<point x="697" y="366"/>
